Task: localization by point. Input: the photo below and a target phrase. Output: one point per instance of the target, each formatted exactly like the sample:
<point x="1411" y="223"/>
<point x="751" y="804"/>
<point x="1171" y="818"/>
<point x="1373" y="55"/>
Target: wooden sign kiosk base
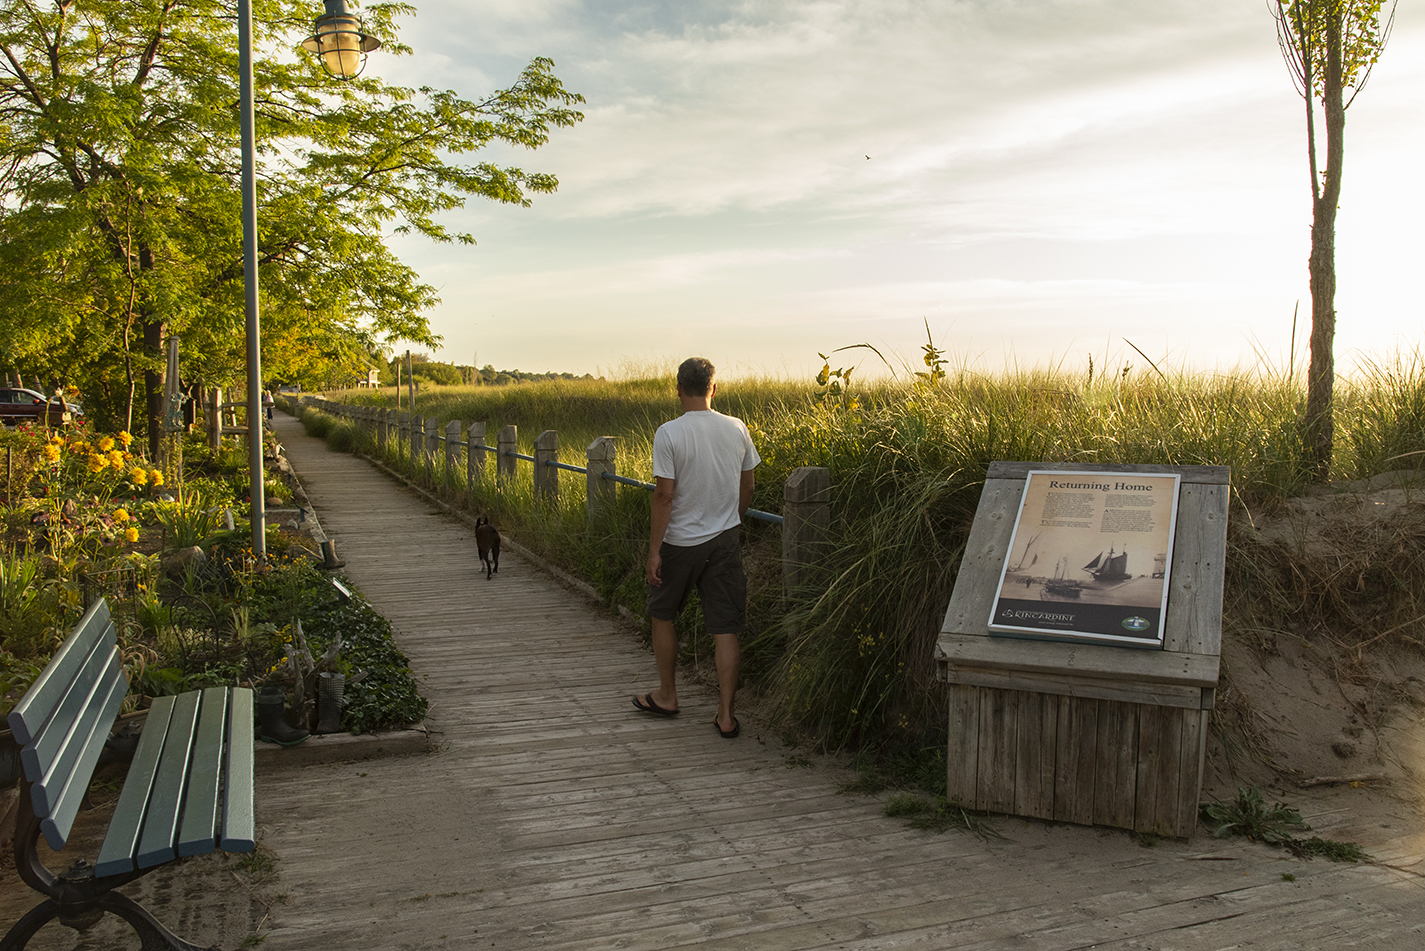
<point x="1097" y="735"/>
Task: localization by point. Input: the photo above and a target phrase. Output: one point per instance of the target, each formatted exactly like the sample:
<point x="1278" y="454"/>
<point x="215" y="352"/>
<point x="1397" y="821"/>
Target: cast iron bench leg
<point x="152" y="935"/>
<point x="24" y="929"/>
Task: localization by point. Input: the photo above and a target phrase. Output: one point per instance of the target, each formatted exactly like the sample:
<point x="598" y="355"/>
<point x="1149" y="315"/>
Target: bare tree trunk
<point x="1321" y="375"/>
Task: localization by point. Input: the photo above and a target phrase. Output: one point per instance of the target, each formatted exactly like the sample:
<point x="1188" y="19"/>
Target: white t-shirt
<point x="705" y="452"/>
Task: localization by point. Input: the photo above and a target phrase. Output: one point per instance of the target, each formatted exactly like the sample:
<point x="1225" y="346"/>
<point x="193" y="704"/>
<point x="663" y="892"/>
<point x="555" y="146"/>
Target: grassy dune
<point x="851" y="667"/>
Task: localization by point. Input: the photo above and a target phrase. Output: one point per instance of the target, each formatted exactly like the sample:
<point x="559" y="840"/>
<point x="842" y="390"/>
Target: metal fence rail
<point x="441" y="437"/>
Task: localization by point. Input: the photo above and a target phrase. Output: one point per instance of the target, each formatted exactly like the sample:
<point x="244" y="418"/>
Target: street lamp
<point x="338" y="40"/>
<point x="343" y="47"/>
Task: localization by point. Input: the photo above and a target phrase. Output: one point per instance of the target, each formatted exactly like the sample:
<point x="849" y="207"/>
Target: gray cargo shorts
<point x="715" y="569"/>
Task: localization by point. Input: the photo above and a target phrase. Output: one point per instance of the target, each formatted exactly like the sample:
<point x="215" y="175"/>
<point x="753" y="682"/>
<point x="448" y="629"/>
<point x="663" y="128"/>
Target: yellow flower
<point x="52" y="452"/>
<point x="106" y="443"/>
<point x="138" y="475"/>
<point x="128" y="457"/>
<point x="125" y="438"/>
<point x="79" y="445"/>
<point x="156" y="477"/>
<point x="132" y="535"/>
<point x="121" y="515"/>
<point x="116" y="459"/>
<point x="97" y="463"/>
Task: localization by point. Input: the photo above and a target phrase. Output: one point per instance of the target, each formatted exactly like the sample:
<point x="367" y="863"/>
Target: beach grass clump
<point x="1385" y="410"/>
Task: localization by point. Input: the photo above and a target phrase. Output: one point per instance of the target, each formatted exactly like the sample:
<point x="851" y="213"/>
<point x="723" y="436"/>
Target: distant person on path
<point x="267" y="403"/>
<point x="702" y="464"/>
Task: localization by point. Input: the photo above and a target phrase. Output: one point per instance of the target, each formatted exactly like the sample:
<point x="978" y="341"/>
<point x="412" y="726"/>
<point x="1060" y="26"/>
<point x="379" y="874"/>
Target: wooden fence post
<point x="452" y="453"/>
<point x="546" y="477"/>
<point x="382" y="420"/>
<point x="403" y="433"/>
<point x="506" y="442"/>
<point x="432" y="450"/>
<point x="806" y="518"/>
<point x="418" y="438"/>
<point x="474" y="461"/>
<point x="601" y="493"/>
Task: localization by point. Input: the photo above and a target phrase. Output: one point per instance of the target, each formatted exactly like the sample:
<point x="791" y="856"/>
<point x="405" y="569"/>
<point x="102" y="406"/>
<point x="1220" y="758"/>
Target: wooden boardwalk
<point x="552" y="815"/>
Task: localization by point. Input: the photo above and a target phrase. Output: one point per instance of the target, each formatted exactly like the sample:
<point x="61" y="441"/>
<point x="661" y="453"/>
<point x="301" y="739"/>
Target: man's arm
<point x="662" y="511"/>
<point x="744" y="493"/>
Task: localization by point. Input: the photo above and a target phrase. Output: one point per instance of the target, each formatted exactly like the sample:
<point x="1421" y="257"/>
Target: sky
<point x="1037" y="181"/>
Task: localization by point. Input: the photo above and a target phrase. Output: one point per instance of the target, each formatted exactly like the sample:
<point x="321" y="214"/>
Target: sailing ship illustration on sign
<point x="1109" y="569"/>
<point x="1060" y="586"/>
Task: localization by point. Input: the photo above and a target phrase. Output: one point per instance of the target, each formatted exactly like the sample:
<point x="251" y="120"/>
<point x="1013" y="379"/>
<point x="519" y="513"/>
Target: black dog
<point x="487" y="539"/>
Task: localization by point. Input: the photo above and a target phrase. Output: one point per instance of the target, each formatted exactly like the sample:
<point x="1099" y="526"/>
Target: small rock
<point x="183" y="561"/>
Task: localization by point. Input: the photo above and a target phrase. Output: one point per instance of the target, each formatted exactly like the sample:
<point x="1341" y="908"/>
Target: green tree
<point x="119" y="174"/>
<point x="1330" y="47"/>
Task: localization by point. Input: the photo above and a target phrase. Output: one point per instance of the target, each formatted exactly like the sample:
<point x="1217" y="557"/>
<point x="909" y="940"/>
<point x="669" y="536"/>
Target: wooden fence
<point x="436" y="453"/>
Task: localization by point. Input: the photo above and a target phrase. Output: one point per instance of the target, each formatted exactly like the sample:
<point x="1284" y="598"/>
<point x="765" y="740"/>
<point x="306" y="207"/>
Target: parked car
<point x="26" y="406"/>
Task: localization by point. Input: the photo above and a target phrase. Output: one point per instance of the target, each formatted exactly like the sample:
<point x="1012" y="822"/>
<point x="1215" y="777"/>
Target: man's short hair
<point x="695" y="376"/>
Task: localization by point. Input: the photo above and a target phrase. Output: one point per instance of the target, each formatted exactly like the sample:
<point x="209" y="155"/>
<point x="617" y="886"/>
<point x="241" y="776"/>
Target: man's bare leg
<point x="665" y="658"/>
<point x="728" y="656"/>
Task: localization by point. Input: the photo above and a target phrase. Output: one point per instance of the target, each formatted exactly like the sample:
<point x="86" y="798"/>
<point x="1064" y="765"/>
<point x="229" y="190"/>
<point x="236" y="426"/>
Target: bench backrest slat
<point x="122" y="839"/>
<point x="54" y="738"/>
<point x="161" y="823"/>
<point x="39" y="702"/>
<point x="198" y="834"/>
<point x="57" y="824"/>
<point x="83" y="737"/>
<point x="239" y="821"/>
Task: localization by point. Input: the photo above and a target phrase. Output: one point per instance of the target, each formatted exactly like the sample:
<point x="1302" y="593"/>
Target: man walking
<point x="702" y="465"/>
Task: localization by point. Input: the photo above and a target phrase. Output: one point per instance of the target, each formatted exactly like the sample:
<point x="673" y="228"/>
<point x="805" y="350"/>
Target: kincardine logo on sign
<point x="1135" y="623"/>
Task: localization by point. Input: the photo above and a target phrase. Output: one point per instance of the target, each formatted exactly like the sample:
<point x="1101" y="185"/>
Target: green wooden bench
<point x="189" y="789"/>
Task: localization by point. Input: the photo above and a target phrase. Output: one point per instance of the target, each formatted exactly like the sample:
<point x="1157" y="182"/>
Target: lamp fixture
<point x="339" y="41"/>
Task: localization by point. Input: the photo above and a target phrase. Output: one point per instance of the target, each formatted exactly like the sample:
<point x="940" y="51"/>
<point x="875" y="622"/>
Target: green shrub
<point x="341" y="437"/>
<point x="317" y="423"/>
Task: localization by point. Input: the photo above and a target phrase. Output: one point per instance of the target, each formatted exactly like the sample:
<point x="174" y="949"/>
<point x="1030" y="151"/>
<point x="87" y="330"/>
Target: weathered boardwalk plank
<point x="554" y="816"/>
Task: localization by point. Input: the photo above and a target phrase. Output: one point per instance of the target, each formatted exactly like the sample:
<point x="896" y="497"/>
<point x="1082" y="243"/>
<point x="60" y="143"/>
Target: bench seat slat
<point x="52" y="742"/>
<point x="49" y="688"/>
<point x="198" y="835"/>
<point x="57" y="824"/>
<point x="161" y="824"/>
<point x="122" y="840"/>
<point x="239" y="822"/>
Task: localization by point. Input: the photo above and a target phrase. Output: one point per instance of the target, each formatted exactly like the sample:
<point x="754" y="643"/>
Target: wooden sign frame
<point x="1086" y="733"/>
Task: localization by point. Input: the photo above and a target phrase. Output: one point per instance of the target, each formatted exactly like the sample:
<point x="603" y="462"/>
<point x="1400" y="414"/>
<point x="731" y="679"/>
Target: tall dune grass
<point x="851" y="664"/>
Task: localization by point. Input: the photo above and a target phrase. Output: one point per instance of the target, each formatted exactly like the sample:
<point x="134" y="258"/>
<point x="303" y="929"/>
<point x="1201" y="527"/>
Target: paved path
<point x="554" y="816"/>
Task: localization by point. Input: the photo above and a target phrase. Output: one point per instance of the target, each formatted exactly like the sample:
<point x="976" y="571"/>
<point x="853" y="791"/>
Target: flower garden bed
<point x="84" y="516"/>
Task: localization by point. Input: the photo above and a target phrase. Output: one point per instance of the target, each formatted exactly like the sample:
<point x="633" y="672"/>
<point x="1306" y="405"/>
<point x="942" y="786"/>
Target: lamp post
<point x="342" y="46"/>
<point x="258" y="516"/>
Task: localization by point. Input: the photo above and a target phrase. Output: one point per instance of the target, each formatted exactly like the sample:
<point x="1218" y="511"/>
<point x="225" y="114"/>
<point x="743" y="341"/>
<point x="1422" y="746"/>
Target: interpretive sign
<point x="1090" y="558"/>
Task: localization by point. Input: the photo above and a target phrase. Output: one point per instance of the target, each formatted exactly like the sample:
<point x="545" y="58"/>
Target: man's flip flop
<point x="728" y="734"/>
<point x="647" y="704"/>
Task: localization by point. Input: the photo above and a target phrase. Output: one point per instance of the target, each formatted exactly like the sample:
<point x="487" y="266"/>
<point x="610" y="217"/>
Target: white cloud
<point x="1035" y="165"/>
